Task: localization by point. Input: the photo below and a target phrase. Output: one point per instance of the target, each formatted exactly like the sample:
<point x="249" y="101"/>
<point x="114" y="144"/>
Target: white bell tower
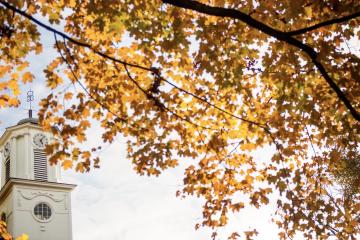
<point x="32" y="200"/>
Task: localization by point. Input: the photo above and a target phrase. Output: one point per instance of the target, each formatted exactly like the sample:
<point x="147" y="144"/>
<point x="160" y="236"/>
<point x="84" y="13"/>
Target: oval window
<point x="42" y="211"/>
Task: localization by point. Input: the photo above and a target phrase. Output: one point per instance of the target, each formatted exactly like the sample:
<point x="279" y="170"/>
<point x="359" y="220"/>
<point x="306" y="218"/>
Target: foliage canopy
<point x="210" y="81"/>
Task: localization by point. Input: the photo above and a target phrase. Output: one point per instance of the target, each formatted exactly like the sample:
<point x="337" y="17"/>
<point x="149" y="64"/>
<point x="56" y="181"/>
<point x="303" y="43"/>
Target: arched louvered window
<point x="40" y="165"/>
<point x="7" y="169"/>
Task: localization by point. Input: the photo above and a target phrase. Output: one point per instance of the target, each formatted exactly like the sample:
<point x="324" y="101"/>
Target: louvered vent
<point x="7" y="170"/>
<point x="40" y="165"/>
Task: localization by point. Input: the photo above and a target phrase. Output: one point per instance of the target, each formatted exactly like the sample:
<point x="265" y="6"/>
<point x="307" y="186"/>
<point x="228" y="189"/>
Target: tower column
<point x="13" y="157"/>
<point x="27" y="156"/>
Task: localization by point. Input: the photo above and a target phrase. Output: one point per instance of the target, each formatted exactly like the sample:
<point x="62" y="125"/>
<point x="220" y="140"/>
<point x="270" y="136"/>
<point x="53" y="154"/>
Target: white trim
<point x="32" y="183"/>
<point x="8" y="130"/>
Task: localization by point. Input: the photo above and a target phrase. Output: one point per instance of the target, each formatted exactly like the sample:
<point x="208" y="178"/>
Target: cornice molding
<point x="33" y="183"/>
<point x="37" y="193"/>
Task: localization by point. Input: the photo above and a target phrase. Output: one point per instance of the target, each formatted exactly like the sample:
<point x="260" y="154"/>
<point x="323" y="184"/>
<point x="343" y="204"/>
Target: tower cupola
<point x="23" y="153"/>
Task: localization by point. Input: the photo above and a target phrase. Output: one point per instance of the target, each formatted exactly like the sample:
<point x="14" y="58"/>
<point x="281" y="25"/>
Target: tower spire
<point x="30" y="99"/>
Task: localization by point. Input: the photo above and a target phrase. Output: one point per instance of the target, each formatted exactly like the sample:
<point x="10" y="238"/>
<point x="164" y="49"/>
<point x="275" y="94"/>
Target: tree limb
<point x="95" y="98"/>
<point x="279" y="35"/>
<point x="158" y="103"/>
<point x="214" y="11"/>
<point x="323" y="24"/>
<point x="70" y="39"/>
<point x="124" y="63"/>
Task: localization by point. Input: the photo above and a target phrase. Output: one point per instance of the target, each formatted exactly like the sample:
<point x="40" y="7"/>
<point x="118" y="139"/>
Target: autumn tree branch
<point x="209" y="10"/>
<point x="279" y="35"/>
<point x="124" y="63"/>
<point x="104" y="105"/>
<point x="263" y="126"/>
<point x="158" y="103"/>
<point x="70" y="39"/>
<point x="324" y="24"/>
<point x="95" y="98"/>
<point x="155" y="72"/>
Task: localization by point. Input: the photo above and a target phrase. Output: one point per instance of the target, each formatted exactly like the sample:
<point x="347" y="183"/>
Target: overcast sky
<point x="114" y="203"/>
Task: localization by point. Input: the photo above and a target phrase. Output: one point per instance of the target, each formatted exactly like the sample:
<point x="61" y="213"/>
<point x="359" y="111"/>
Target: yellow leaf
<point x="80" y="167"/>
<point x="23" y="237"/>
<point x="308" y="11"/>
<point x="38" y="49"/>
<point x="67" y="164"/>
<point x="13" y="85"/>
<point x="22" y="66"/>
<point x="68" y="96"/>
<point x="4" y="70"/>
<point x="27" y="77"/>
<point x="13" y="102"/>
<point x="6" y="236"/>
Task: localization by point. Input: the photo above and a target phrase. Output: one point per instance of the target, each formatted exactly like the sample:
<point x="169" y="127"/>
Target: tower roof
<point x="29" y="120"/>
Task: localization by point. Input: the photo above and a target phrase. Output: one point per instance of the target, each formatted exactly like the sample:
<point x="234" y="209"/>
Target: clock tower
<point x="32" y="199"/>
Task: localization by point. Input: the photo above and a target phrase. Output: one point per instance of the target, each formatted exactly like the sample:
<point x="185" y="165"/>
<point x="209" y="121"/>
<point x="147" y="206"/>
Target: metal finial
<point x="30" y="99"/>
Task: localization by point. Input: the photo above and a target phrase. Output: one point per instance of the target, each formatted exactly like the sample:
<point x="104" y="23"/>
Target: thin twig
<point x="95" y="98"/>
<point x="157" y="102"/>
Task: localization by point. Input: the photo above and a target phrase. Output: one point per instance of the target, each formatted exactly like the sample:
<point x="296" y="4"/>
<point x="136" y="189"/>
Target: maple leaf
<point x="27" y="77"/>
<point x="67" y="164"/>
<point x="23" y="237"/>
